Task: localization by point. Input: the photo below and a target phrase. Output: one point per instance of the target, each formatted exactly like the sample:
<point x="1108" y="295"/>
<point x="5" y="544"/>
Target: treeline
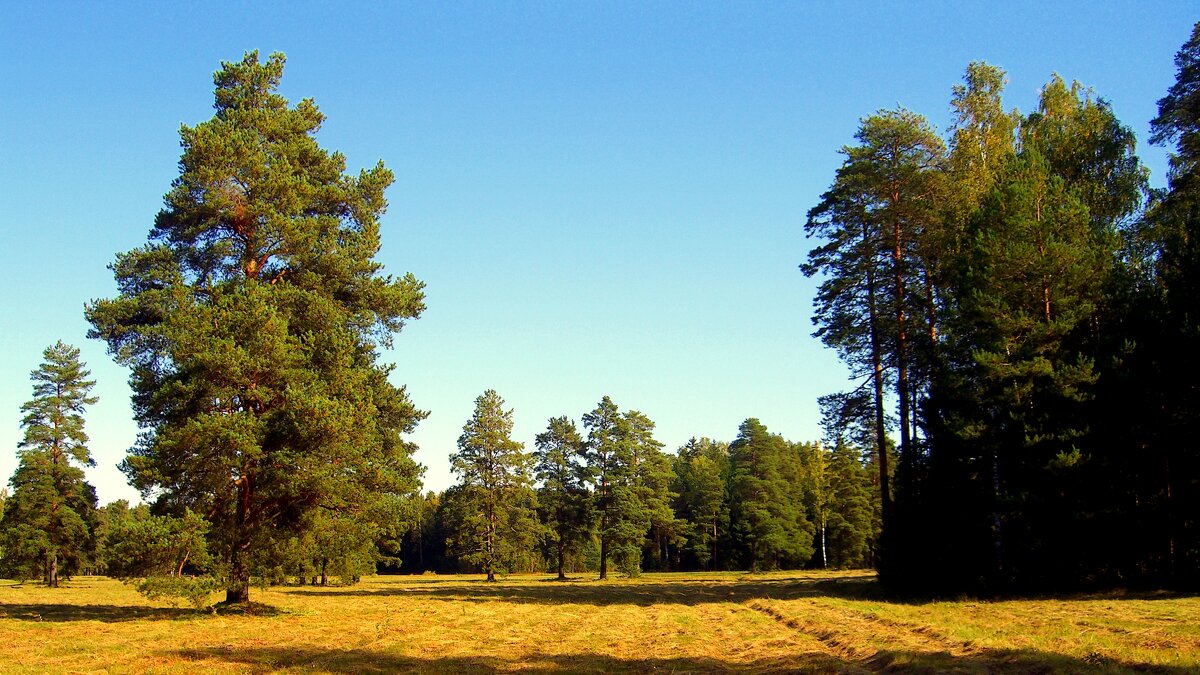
<point x="1021" y="310"/>
<point x="606" y="496"/>
<point x="581" y="500"/>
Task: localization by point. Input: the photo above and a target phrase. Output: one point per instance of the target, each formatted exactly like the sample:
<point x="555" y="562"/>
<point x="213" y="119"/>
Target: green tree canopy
<point x="250" y="323"/>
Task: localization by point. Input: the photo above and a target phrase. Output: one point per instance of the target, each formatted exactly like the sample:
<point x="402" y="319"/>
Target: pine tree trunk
<point x="491" y="545"/>
<point x="900" y="298"/>
<point x="53" y="575"/>
<point x="324" y="566"/>
<point x="997" y="520"/>
<point x="1171" y="548"/>
<point x="561" y="560"/>
<point x="603" y="555"/>
<point x="885" y="491"/>
<point x="238" y="589"/>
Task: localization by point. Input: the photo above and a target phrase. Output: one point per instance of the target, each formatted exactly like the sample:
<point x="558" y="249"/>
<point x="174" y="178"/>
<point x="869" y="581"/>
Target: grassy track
<point x="796" y="622"/>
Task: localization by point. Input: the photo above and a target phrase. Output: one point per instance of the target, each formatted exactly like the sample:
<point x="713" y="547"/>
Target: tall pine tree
<point x="250" y="323"/>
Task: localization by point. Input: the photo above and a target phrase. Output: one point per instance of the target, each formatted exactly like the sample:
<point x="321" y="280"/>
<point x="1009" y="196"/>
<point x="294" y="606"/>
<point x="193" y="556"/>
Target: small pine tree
<point x="47" y="527"/>
<point x="499" y="523"/>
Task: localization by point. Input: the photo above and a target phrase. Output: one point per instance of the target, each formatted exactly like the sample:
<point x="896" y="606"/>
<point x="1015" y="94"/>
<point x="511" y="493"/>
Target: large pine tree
<point x="250" y="322"/>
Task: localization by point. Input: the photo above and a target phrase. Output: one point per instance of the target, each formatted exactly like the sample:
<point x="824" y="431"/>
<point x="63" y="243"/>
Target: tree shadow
<point x="312" y="659"/>
<point x="686" y="590"/>
<point x="682" y="591"/>
<point x="103" y="613"/>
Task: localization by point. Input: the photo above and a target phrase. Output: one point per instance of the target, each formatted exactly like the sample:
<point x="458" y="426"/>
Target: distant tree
<point x="498" y="523"/>
<point x="47" y="527"/>
<point x="631" y="484"/>
<point x="608" y="459"/>
<point x="250" y="323"/>
<point x="849" y="534"/>
<point x="422" y="546"/>
<point x="767" y="513"/>
<point x="334" y="544"/>
<point x="852" y="527"/>
<point x="652" y="477"/>
<point x="563" y="497"/>
<point x="701" y="485"/>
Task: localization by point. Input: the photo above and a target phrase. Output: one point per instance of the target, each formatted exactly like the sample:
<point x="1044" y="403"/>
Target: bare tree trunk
<point x="900" y="298"/>
<point x="824" y="544"/>
<point x="603" y="553"/>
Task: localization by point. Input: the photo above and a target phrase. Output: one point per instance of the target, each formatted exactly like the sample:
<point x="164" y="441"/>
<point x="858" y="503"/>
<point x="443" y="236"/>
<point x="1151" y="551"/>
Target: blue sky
<point x="604" y="198"/>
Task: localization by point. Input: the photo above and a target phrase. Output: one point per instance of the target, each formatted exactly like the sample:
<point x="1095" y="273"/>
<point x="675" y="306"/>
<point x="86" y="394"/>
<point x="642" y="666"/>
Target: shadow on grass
<point x="104" y="613"/>
<point x="686" y="591"/>
<point x="681" y="591"/>
<point x="311" y="659"/>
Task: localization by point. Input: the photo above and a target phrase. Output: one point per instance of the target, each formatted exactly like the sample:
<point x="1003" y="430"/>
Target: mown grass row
<point x="805" y="622"/>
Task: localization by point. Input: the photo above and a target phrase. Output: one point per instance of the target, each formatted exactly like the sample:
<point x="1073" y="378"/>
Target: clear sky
<point x="604" y="198"/>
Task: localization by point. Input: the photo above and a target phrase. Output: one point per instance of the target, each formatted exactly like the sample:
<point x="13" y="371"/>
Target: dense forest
<point x="1017" y="306"/>
<point x="1021" y="310"/>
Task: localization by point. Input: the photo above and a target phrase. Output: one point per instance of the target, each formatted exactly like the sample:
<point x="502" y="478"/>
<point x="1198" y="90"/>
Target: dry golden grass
<point x="796" y="622"/>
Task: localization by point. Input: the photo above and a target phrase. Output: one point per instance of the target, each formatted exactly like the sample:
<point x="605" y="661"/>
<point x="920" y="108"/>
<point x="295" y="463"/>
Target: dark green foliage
<point x="139" y="544"/>
<point x="1045" y="325"/>
<point x="767" y="514"/>
<point x="849" y="533"/>
<point x="702" y="473"/>
<point x="48" y="522"/>
<point x="630" y="484"/>
<point x="563" y="499"/>
<point x="250" y="323"/>
<point x="653" y="477"/>
<point x="422" y="546"/>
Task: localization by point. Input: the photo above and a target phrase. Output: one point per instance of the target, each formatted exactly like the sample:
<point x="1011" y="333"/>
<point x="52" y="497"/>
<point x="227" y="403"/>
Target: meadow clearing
<point x="792" y="621"/>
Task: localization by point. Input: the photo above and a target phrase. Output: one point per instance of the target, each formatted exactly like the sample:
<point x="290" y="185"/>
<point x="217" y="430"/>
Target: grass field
<point x="806" y="622"/>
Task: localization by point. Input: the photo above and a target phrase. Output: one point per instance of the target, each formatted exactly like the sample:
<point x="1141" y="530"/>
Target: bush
<point x="194" y="590"/>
